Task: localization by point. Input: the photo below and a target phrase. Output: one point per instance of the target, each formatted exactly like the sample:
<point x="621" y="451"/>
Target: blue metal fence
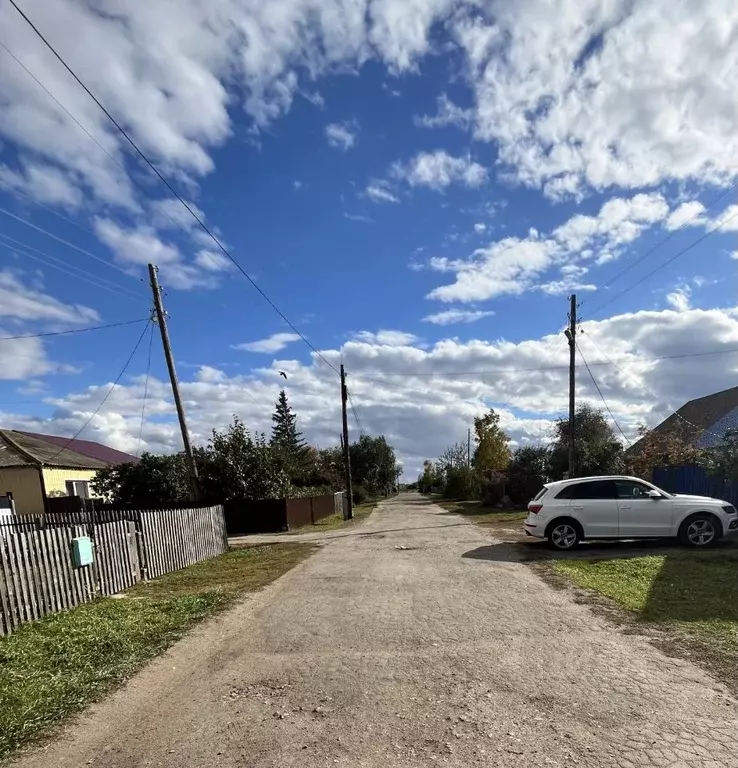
<point x="694" y="480"/>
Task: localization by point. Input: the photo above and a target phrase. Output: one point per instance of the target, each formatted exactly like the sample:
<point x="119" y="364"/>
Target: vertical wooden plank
<point x="20" y="566"/>
<point x="59" y="567"/>
<point x="9" y="622"/>
<point x="42" y="590"/>
<point x="154" y="532"/>
<point x="114" y="540"/>
<point x="120" y="556"/>
<point x="79" y="575"/>
<point x="33" y="576"/>
<point x="133" y="561"/>
<point x="197" y="535"/>
<point x="50" y="576"/>
<point x="105" y="580"/>
<point x="152" y="552"/>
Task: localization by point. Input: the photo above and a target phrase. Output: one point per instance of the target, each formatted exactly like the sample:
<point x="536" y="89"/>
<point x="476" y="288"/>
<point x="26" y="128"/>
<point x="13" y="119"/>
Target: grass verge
<point x="482" y="515"/>
<point x="333" y="522"/>
<point x="689" y="599"/>
<point x="54" y="667"/>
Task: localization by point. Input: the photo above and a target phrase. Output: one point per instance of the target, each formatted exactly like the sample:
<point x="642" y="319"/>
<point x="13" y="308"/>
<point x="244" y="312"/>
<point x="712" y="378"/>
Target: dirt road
<point x="402" y="643"/>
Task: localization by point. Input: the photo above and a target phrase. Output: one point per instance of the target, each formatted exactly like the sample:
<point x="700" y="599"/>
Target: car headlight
<point x="729" y="509"/>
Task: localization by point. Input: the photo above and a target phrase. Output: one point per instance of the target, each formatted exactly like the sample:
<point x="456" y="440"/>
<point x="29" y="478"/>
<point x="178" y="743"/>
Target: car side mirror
<point x="654" y="495"/>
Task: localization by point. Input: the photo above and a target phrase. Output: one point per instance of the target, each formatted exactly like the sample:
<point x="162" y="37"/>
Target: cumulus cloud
<point x="273" y="343"/>
<point x="687" y="213"/>
<point x="438" y="170"/>
<point x="678" y="299"/>
<point x="451" y="316"/>
<point x="479" y="228"/>
<point x="341" y="135"/>
<point x="514" y="265"/>
<point x="422" y="414"/>
<point x="386" y="338"/>
<point x="592" y="95"/>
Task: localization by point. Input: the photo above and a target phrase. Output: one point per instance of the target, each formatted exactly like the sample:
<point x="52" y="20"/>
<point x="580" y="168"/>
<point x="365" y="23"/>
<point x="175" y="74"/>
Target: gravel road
<point x="410" y="640"/>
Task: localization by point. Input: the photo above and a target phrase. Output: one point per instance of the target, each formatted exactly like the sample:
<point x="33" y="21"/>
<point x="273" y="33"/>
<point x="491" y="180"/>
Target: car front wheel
<point x="699" y="531"/>
<point x="563" y="535"/>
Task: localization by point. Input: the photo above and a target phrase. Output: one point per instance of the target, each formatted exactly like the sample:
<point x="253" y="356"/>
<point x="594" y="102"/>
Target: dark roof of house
<point x="87" y="448"/>
<point x="695" y="417"/>
<point x="22" y="449"/>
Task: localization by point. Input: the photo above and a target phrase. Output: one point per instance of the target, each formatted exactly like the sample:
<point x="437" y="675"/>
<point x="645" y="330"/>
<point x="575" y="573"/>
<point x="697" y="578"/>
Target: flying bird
<point x="282" y="373"/>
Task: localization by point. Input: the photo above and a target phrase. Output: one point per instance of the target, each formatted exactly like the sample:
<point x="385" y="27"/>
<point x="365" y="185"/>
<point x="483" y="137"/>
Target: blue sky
<point x="417" y="185"/>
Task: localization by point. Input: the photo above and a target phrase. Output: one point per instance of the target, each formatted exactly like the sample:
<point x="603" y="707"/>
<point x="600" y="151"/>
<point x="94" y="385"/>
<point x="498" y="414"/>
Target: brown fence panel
<point x="299" y="513"/>
<point x="323" y="506"/>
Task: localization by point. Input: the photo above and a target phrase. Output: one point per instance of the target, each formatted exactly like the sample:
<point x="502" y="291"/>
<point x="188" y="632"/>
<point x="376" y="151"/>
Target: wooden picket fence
<point x="38" y="576"/>
<point x="175" y="538"/>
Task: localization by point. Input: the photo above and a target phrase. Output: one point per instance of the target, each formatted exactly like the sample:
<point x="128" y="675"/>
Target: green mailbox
<point x="82" y="552"/>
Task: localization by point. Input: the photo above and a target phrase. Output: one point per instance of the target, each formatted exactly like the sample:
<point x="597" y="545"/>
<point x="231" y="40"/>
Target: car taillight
<point x="535" y="508"/>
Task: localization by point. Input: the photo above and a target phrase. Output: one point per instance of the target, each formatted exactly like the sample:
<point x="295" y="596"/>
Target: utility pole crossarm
<point x="162" y="323"/>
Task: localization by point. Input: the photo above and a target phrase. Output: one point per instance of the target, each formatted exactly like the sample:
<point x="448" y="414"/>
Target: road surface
<point x="410" y="640"/>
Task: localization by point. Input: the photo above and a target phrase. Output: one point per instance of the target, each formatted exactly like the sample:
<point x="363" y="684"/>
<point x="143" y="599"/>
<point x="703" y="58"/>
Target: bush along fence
<point x="70" y="562"/>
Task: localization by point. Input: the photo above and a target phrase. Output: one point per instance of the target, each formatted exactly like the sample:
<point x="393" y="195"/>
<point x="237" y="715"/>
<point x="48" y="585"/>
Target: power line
<point x="107" y="395"/>
<point x="66" y="242"/>
<point x="642" y="386"/>
<point x="73" y="330"/>
<point x="146" y="389"/>
<point x="597" y="387"/>
<point x="669" y="237"/>
<point x="63" y="266"/>
<point x="355" y="412"/>
<point x="166" y="183"/>
<point x="708" y="232"/>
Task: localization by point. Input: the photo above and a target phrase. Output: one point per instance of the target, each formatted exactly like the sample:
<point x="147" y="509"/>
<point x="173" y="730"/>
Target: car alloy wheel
<point x="700" y="533"/>
<point x="563" y="536"/>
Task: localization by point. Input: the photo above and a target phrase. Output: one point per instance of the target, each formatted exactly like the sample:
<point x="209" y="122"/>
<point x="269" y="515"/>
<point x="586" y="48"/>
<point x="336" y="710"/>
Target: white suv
<point x="616" y="507"/>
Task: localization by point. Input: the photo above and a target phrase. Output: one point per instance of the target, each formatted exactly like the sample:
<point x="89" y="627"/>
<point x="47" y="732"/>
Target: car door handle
<point x="577" y="507"/>
<point x="626" y="506"/>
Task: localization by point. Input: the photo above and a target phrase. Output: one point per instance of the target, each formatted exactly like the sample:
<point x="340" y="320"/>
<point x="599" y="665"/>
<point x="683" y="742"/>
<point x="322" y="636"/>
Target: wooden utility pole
<point x="571" y="334"/>
<point x="349" y="508"/>
<point x="162" y="322"/>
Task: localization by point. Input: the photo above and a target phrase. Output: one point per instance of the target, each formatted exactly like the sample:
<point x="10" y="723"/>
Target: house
<point x="701" y="423"/>
<point x="34" y="467"/>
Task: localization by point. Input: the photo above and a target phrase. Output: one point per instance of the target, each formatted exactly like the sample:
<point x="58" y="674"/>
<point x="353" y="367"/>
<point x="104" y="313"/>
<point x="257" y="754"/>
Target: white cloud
<point x="213" y="261"/>
<point x="20" y="302"/>
<point x="438" y="170"/>
<point x="451" y="316"/>
<point x="273" y="343"/>
<point x="45" y="183"/>
<point x="514" y="265"/>
<point x="447" y="114"/>
<point x="341" y="135"/>
<point x="591" y="94"/>
<point x="479" y="228"/>
<point x="420" y="414"/>
<point x="169" y="213"/>
<point x="678" y="299"/>
<point x="386" y="338"/>
<point x="686" y="213"/>
<point x="297" y="185"/>
<point x="139" y="245"/>
<point x="378" y="192"/>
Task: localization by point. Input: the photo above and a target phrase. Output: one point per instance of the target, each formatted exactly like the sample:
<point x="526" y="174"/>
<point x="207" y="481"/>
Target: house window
<point x="79" y="488"/>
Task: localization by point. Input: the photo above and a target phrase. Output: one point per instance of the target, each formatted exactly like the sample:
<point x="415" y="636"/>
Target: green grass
<point x="691" y="596"/>
<point x="481" y="515"/>
<point x="333" y="522"/>
<point x="54" y="667"/>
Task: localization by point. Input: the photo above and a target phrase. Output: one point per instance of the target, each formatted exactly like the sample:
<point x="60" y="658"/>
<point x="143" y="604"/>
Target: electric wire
<point x="650" y="274"/>
<point x="355" y="412"/>
<point x="166" y="183"/>
<point x="107" y="395"/>
<point x="602" y="396"/>
<point x="22" y="249"/>
<point x="72" y="330"/>
<point x="146" y="388"/>
<point x="66" y="242"/>
<point x="642" y="386"/>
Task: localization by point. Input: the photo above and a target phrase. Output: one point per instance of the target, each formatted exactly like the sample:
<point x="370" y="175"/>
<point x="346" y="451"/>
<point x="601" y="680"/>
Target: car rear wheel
<point x="563" y="535"/>
<point x="701" y="530"/>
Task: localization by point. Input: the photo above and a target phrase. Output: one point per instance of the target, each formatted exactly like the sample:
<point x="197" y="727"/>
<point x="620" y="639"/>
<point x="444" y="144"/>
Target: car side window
<point x="567" y="492"/>
<point x="596" y="489"/>
<point x="629" y="489"/>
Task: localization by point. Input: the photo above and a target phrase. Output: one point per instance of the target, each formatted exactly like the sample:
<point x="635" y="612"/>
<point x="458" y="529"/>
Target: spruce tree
<point x="287" y="441"/>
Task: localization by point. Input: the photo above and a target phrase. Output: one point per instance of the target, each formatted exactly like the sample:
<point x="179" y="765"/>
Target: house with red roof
<point x="34" y="467"/>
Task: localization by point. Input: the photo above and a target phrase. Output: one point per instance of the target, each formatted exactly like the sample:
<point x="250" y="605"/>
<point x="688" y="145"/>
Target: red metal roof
<point x="86" y="448"/>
